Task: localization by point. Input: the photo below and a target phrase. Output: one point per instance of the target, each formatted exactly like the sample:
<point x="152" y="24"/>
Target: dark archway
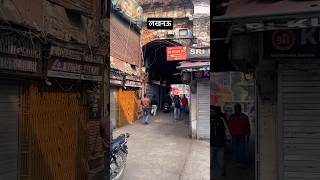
<point x="158" y="68"/>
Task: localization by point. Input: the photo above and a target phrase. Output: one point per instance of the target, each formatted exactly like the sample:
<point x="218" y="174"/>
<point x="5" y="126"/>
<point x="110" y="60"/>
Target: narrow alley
<point x="163" y="150"/>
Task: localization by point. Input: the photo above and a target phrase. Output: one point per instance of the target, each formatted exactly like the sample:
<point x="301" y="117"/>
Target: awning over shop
<point x="247" y="16"/>
<point x="252" y="9"/>
<point x="194" y="64"/>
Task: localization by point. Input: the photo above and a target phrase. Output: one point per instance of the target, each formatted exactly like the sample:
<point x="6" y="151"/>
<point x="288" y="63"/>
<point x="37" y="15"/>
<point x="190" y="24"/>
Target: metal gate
<point x="203" y="109"/>
<point x="299" y="124"/>
<point x="9" y="129"/>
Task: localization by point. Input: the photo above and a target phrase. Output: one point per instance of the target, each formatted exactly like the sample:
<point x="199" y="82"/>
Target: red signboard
<point x="176" y="53"/>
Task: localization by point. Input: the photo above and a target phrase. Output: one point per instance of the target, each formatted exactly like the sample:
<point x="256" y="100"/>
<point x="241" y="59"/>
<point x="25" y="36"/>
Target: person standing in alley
<point x="218" y="139"/>
<point x="146" y="109"/>
<point x="177" y="107"/>
<point x="154" y="105"/>
<point x="184" y="103"/>
<point x="239" y="127"/>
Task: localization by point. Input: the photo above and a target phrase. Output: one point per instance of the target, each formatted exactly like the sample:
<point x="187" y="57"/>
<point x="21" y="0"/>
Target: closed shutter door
<point x="125" y="41"/>
<point x="58" y="140"/>
<point x="203" y="110"/>
<point x="299" y="112"/>
<point x="9" y="131"/>
<point x="113" y="106"/>
<point x="127" y="104"/>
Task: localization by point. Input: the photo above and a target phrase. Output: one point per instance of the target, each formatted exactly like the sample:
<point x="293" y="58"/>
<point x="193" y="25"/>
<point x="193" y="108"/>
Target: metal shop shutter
<point x="9" y="129"/>
<point x="299" y="112"/>
<point x="125" y="41"/>
<point x="203" y="109"/>
<point x="127" y="105"/>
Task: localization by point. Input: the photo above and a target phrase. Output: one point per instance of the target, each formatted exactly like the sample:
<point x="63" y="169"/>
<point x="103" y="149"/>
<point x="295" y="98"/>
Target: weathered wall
<point x="84" y="6"/>
<point x="201" y="30"/>
<point x="69" y="25"/>
<point x="64" y="20"/>
<point x="23" y="12"/>
<point x="180" y="11"/>
<point x="130" y="8"/>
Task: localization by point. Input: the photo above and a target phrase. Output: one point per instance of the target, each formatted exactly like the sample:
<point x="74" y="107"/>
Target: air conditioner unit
<point x="170" y="34"/>
<point x="183" y="33"/>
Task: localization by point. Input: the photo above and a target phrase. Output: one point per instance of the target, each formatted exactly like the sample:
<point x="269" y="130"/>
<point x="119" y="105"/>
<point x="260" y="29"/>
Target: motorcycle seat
<point x="117" y="142"/>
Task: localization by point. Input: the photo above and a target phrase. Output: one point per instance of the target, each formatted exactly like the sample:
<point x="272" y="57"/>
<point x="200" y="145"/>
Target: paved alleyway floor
<point x="163" y="150"/>
<point x="233" y="171"/>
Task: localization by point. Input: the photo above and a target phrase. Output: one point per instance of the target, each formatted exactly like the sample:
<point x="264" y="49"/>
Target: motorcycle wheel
<point x="118" y="171"/>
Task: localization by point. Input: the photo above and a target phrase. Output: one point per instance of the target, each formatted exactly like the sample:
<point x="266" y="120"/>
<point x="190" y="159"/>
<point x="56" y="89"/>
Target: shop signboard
<point x="201" y="75"/>
<point x="19" y="55"/>
<point x="176" y="53"/>
<point x="73" y="64"/>
<point x="279" y="24"/>
<point x="160" y="23"/>
<point x="198" y="53"/>
<point x="132" y="83"/>
<point x="292" y="44"/>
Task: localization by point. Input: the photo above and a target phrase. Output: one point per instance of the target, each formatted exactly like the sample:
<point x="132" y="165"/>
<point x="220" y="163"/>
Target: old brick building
<point x="125" y="62"/>
<point x="52" y="66"/>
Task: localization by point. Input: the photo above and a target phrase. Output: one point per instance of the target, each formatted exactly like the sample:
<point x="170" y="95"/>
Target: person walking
<point x="146" y="109"/>
<point x="218" y="139"/>
<point x="177" y="107"/>
<point x="184" y="103"/>
<point x="154" y="105"/>
<point x="239" y="127"/>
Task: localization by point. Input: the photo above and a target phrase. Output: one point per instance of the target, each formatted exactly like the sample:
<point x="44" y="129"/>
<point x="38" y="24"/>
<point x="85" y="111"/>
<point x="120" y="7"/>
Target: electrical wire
<point x="64" y="89"/>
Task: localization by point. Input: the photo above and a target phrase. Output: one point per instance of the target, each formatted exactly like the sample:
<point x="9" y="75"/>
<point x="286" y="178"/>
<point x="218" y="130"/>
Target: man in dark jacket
<point x="239" y="127"/>
<point x="218" y="138"/>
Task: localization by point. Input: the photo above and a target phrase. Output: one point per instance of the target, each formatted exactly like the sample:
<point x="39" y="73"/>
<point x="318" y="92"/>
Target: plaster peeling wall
<point x="24" y="12"/>
<point x="69" y="26"/>
<point x="201" y="30"/>
<point x="181" y="11"/>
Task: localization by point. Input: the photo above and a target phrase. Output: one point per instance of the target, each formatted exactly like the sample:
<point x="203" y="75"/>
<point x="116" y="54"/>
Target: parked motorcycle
<point x="119" y="152"/>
